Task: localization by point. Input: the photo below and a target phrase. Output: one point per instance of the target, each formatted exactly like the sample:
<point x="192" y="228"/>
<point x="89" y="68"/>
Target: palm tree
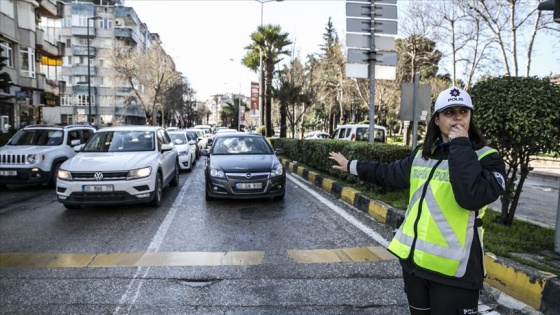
<point x="229" y="114"/>
<point x="269" y="41"/>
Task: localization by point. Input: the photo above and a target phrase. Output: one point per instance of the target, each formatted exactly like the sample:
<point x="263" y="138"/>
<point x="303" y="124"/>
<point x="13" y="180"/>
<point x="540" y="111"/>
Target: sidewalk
<point x="545" y="168"/>
<point x="538" y="289"/>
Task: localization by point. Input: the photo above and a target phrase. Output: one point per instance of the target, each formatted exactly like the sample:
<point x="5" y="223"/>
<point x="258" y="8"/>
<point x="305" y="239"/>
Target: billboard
<point x="255" y="99"/>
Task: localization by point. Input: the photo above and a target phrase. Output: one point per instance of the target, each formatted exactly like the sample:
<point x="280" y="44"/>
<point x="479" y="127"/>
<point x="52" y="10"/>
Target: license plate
<point x="248" y="185"/>
<point x="8" y="173"/>
<point x="97" y="188"/>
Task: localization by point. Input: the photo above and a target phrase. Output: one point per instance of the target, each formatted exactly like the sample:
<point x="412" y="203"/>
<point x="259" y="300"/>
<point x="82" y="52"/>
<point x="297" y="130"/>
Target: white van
<point x="359" y="132"/>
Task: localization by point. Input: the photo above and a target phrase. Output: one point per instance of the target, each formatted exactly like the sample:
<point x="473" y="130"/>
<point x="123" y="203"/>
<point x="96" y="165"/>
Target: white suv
<point x="119" y="165"/>
<point x="359" y="132"/>
<point x="34" y="154"/>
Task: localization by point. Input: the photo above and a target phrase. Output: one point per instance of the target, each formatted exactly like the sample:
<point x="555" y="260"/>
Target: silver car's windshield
<point x="120" y="141"/>
<point x="38" y="137"/>
<point x="240" y="145"/>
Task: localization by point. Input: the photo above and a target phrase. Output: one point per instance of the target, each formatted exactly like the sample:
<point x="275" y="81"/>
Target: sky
<point x="207" y="38"/>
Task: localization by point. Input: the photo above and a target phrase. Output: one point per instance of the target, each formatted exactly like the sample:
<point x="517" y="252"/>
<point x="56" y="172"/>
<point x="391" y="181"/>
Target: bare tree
<point x="151" y="74"/>
<point x="512" y="26"/>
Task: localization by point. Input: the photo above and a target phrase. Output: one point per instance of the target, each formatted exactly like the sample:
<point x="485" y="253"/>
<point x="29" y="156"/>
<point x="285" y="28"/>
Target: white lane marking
<point x="371" y="233"/>
<point x="128" y="299"/>
<point x="376" y="236"/>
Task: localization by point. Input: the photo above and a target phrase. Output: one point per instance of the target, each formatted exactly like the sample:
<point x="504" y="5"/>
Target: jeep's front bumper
<point x="22" y="176"/>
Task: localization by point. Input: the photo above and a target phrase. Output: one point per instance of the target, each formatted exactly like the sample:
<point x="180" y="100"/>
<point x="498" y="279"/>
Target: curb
<point x="536" y="288"/>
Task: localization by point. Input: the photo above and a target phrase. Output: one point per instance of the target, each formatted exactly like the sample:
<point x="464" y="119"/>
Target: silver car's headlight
<point x="214" y="172"/>
<point x="139" y="173"/>
<point x="277" y="171"/>
<point x="33" y="158"/>
<point x="64" y="174"/>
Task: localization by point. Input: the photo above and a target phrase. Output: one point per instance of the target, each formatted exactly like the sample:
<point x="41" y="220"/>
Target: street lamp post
<point x="238" y="100"/>
<point x="88" y="68"/>
<point x="261" y="79"/>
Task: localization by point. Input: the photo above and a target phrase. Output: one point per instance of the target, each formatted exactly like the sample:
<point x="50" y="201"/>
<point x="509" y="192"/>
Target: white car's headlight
<point x="64" y="174"/>
<point x="278" y="170"/>
<point x="139" y="173"/>
<point x="214" y="172"/>
<point x="33" y="158"/>
<point x="181" y="153"/>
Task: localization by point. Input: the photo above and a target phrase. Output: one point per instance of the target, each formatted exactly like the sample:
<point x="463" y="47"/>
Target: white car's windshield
<point x="120" y="141"/>
<point x="45" y="137"/>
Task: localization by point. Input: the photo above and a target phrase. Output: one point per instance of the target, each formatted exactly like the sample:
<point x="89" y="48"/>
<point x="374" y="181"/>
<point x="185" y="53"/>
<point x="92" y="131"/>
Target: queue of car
<point x="135" y="164"/>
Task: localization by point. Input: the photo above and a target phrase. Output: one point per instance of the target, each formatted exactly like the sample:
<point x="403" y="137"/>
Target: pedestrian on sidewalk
<point x="452" y="178"/>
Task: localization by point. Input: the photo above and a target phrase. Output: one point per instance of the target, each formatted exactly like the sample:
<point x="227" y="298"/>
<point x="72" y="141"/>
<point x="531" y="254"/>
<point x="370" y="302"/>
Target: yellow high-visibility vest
<point x="438" y="227"/>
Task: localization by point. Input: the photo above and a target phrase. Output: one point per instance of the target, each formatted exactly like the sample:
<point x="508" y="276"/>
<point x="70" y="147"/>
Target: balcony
<point x="51" y="9"/>
<point x="128" y="15"/>
<point x="83" y="89"/>
<point x="126" y="34"/>
<point x="82" y="51"/>
<point x="123" y="91"/>
<point x="82" y="31"/>
<point x="44" y="45"/>
<point x="82" y="70"/>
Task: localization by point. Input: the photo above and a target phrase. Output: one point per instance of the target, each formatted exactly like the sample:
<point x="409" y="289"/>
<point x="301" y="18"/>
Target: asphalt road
<point x="308" y="254"/>
<point x="538" y="201"/>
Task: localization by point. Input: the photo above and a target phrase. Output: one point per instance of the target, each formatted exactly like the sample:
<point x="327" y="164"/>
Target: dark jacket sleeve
<point x="475" y="183"/>
<point x="395" y="174"/>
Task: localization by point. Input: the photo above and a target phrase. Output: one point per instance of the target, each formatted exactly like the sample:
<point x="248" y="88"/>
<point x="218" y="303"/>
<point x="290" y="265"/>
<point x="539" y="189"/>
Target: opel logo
<point x="248" y="175"/>
<point x="98" y="176"/>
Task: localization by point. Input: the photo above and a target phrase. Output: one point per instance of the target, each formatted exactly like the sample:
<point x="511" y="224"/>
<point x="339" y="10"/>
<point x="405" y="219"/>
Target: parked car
<point x="243" y="166"/>
<point x="119" y="165"/>
<point x="193" y="136"/>
<point x="186" y="149"/>
<point x="208" y="132"/>
<point x="359" y="132"/>
<point x="314" y="135"/>
<point x="201" y="136"/>
<point x="34" y="154"/>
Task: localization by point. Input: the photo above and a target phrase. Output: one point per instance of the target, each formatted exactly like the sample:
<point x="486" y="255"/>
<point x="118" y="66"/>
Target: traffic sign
<point x="385" y="11"/>
<point x="360" y="70"/>
<point x="362" y="41"/>
<point x="358" y="10"/>
<point x="385" y="27"/>
<point x="355" y="25"/>
<point x="388" y="58"/>
<point x="382" y="11"/>
<point x="376" y="1"/>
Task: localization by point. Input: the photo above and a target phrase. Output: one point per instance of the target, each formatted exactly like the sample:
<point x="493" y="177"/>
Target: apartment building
<point x="59" y="62"/>
<point x="30" y="51"/>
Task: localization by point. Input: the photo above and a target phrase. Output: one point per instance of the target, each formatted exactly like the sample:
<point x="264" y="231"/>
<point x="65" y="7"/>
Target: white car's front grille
<point x="12" y="159"/>
<point x="99" y="176"/>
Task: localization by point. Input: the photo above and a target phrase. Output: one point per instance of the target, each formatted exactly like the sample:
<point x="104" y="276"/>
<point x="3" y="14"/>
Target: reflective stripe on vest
<point x="441" y="238"/>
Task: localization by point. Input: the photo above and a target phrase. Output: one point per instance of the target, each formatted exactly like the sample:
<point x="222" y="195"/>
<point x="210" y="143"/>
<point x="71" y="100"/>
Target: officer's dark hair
<point x="433" y="136"/>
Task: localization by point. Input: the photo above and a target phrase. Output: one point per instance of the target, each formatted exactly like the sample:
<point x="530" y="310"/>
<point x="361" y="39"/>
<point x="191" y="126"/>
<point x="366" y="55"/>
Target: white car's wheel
<point x="158" y="192"/>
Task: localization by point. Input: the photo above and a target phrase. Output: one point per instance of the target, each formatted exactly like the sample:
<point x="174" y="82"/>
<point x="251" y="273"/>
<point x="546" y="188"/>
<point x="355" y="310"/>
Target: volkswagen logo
<point x="98" y="176"/>
<point x="248" y="175"/>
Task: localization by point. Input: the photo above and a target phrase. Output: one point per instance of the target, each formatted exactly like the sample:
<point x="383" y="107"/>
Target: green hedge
<point x="315" y="154"/>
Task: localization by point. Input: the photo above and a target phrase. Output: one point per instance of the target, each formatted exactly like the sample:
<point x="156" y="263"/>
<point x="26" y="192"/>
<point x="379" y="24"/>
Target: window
<point x="81" y="100"/>
<point x="7" y="52"/>
<point x="27" y="61"/>
<point x="79" y="20"/>
<point x="67" y="21"/>
<point x="66" y="100"/>
<point x="105" y="24"/>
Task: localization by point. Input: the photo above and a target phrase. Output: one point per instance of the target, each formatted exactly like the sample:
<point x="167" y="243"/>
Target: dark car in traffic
<point x="243" y="166"/>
